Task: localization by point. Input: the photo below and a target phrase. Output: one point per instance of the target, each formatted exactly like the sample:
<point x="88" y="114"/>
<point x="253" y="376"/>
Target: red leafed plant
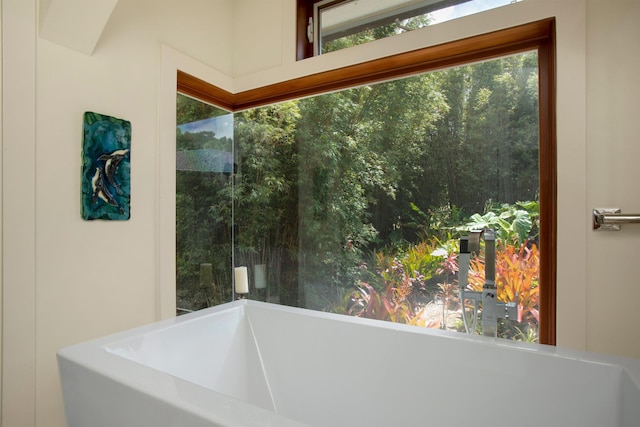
<point x="401" y="279"/>
<point x="392" y="304"/>
<point x="517" y="272"/>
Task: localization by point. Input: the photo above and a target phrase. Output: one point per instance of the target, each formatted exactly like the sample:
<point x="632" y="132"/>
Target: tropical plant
<point x="526" y="334"/>
<point x="391" y="304"/>
<point x="517" y="277"/>
<point x="512" y="223"/>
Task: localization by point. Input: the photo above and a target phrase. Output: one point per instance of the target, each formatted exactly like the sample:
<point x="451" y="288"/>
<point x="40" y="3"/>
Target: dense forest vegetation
<point x="362" y="193"/>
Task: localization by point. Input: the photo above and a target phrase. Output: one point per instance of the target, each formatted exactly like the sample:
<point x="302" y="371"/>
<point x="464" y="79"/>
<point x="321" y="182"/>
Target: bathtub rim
<point x="95" y="355"/>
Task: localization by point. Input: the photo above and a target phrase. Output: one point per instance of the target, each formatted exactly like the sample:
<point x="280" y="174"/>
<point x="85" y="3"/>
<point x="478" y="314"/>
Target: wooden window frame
<point x="304" y="48"/>
<point x="539" y="35"/>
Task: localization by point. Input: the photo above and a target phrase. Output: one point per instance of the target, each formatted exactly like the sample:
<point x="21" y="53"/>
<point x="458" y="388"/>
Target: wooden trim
<point x="304" y="49"/>
<point x="548" y="188"/>
<point x="538" y="35"/>
<point x="197" y="88"/>
<point x="486" y="46"/>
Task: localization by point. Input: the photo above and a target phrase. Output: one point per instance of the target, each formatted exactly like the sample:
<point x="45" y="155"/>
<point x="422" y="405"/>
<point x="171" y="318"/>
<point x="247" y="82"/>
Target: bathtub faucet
<point x="492" y="310"/>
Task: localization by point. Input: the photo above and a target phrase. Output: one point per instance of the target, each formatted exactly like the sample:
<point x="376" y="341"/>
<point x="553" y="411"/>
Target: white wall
<point x="18" y="214"/>
<point x="66" y="280"/>
<point x="72" y="280"/>
<point x="613" y="141"/>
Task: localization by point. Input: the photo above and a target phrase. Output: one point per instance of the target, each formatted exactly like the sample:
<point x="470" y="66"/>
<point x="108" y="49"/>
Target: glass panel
<point x="354" y="202"/>
<point x="266" y="210"/>
<point x="349" y="23"/>
<point x="204" y="166"/>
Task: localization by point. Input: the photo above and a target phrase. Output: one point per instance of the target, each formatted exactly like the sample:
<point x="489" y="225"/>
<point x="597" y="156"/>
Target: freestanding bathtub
<point x="247" y="363"/>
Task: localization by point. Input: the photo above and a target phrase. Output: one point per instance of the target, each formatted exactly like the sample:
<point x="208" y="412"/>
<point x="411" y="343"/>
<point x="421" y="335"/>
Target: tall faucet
<point x="491" y="308"/>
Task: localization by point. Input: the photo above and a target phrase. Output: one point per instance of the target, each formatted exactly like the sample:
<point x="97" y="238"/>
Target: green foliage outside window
<point x="329" y="190"/>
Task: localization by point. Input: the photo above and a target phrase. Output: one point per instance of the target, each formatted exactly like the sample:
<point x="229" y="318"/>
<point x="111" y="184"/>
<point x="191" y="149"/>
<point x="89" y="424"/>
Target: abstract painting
<point x="106" y="168"/>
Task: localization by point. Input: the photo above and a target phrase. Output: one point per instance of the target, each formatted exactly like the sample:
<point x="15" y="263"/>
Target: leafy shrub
<point x="403" y="281"/>
<point x="517" y="273"/>
<point x="514" y="224"/>
<point x="397" y="292"/>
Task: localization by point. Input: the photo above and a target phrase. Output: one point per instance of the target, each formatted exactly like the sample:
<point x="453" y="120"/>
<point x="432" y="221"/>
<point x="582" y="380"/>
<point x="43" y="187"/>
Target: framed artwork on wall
<point x="106" y="168"/>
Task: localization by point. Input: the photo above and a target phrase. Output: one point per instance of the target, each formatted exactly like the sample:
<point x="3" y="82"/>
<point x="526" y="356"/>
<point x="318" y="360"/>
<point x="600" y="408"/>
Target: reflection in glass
<point x="204" y="165"/>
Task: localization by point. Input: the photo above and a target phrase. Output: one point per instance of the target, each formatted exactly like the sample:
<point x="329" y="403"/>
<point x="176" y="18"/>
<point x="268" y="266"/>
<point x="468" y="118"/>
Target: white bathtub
<point x="254" y="364"/>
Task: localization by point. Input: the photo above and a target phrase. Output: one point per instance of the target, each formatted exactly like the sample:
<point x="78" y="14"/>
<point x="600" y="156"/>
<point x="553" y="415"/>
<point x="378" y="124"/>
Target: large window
<point x="353" y="201"/>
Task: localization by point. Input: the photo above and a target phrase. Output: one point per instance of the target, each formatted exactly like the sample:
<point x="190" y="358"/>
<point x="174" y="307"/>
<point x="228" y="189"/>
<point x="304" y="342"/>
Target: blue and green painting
<point x="106" y="168"/>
